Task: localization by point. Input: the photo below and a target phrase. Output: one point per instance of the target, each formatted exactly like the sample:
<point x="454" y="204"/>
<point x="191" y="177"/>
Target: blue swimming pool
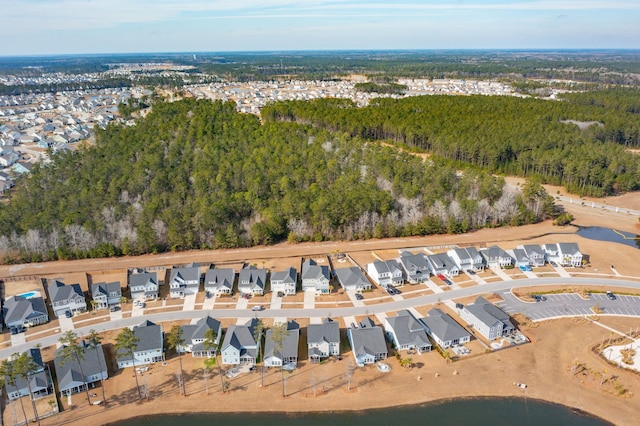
<point x="30" y="294"/>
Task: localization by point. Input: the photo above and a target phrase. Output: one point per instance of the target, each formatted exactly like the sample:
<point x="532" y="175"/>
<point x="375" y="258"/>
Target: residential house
<point x="288" y="354"/>
<point x="444" y="329"/>
<point x="535" y="253"/>
<point x="386" y="273"/>
<point x="39" y="381"/>
<point x="489" y="320"/>
<point x="495" y="257"/>
<point x="194" y="337"/>
<point x="520" y="257"/>
<point x="21" y="311"/>
<point x="415" y="266"/>
<point x="149" y="348"/>
<point x="441" y="263"/>
<point x="239" y="346"/>
<point x="407" y="333"/>
<point x="569" y="254"/>
<point x="219" y="280"/>
<point x="143" y="285"/>
<point x="367" y="343"/>
<point x="352" y="279"/>
<point x="105" y="295"/>
<point x="315" y="277"/>
<point x="70" y="373"/>
<point x="184" y="281"/>
<point x="22" y="167"/>
<point x="252" y="280"/>
<point x="284" y="281"/>
<point x="467" y="259"/>
<point x="66" y="298"/>
<point x="323" y="340"/>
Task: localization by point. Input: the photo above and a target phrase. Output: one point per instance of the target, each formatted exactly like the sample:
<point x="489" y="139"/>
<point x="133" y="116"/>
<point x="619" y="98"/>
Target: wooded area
<point x="508" y="135"/>
<point x="195" y="174"/>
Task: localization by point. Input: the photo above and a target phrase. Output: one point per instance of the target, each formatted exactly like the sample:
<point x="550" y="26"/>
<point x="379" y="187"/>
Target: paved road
<point x="594" y="205"/>
<point x="381" y="308"/>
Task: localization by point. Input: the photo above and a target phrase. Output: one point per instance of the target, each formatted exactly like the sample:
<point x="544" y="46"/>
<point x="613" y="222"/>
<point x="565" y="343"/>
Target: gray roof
<point x="520" y="255"/>
<point x="533" y="248"/>
<point x="443" y="326"/>
<point x="69" y="373"/>
<point x="414" y="262"/>
<point x="149" y="338"/>
<point x="569" y="248"/>
<point x="312" y="271"/>
<point x="252" y="275"/>
<point x="219" y="277"/>
<point x="198" y="330"/>
<point x="142" y="279"/>
<point x="328" y="331"/>
<point x="241" y="338"/>
<point x="386" y="266"/>
<point x="368" y="340"/>
<point x="351" y="276"/>
<point x="39" y="380"/>
<point x="59" y="291"/>
<point x="20" y="309"/>
<point x="493" y="253"/>
<point x="288" y="276"/>
<point x="408" y="329"/>
<point x="105" y="289"/>
<point x="487" y="312"/>
<point x="441" y="261"/>
<point x="289" y="342"/>
<point x="187" y="274"/>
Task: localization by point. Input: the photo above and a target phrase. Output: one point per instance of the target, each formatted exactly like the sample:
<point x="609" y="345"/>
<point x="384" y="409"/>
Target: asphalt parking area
<point x="570" y="304"/>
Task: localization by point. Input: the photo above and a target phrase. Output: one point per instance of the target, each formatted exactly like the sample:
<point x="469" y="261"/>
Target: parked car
<point x="610" y="295"/>
<point x="68" y="314"/>
<point x="539" y="298"/>
<point x="471" y="272"/>
<point x="442" y="277"/>
<point x="522" y="268"/>
<point x="114" y="308"/>
<point x="257" y="308"/>
<point x="552" y="263"/>
<point x="359" y="296"/>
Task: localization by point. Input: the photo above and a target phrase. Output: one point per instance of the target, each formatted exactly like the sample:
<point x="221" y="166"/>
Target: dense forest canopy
<point x="510" y="135"/>
<point x="195" y="173"/>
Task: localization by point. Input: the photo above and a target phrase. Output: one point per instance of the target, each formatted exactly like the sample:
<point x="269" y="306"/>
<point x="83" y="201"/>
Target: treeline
<point x="196" y="174"/>
<point x="386" y="88"/>
<point x="526" y="137"/>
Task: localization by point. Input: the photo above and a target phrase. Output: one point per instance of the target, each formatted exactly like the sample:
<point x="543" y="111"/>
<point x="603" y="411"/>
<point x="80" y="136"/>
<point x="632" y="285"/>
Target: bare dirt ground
<point x="546" y="364"/>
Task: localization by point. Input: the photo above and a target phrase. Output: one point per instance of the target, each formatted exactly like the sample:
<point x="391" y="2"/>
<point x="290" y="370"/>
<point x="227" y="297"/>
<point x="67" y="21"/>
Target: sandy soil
<point x="546" y="365"/>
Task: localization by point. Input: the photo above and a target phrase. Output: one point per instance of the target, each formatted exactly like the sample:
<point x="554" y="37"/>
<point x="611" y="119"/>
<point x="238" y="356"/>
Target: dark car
<point x="610" y="295"/>
<point x="471" y="272"/>
<point x="359" y="296"/>
<point x="68" y="314"/>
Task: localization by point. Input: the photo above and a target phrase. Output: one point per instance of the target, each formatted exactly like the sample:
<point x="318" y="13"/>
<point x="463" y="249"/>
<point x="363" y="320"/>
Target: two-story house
<point x="184" y="281"/>
<point x="489" y="320"/>
<point x="144" y="286"/>
<point x="252" y="280"/>
<point x="467" y="259"/>
<point x="315" y="277"/>
<point x="239" y="346"/>
<point x="415" y="266"/>
<point x="66" y="299"/>
<point x="441" y="263"/>
<point x="386" y="273"/>
<point x="194" y="336"/>
<point x="570" y="254"/>
<point x="535" y="253"/>
<point x="219" y="280"/>
<point x="70" y="373"/>
<point x="20" y="311"/>
<point x="495" y="257"/>
<point x="323" y="340"/>
<point x="105" y="295"/>
<point x="284" y="281"/>
<point x="149" y="347"/>
<point x="444" y="329"/>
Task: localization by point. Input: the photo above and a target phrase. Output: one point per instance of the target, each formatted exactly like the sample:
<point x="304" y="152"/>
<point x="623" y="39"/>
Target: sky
<point x="42" y="27"/>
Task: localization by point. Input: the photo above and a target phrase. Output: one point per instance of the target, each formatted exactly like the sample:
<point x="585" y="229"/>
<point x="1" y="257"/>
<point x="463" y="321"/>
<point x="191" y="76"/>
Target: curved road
<point x="327" y="312"/>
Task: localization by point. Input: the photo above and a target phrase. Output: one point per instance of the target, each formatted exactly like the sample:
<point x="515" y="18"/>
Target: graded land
<point x="558" y="365"/>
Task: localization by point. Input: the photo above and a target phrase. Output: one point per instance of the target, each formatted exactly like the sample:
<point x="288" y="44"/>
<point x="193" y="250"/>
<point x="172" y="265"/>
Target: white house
<point x="416" y="267"/>
<point x="315" y="277"/>
<point x="407" y="333"/>
<point x="570" y="254"/>
<point x="386" y="272"/>
<point x="149" y="347"/>
<point x="284" y="281"/>
<point x="66" y="298"/>
<point x="240" y="346"/>
<point x="184" y="281"/>
<point x="352" y="279"/>
<point x="367" y="343"/>
<point x="194" y="336"/>
<point x="252" y="280"/>
<point x="219" y="280"/>
<point x="143" y="285"/>
<point x="441" y="263"/>
<point x="467" y="259"/>
<point x="535" y="253"/>
<point x="495" y="257"/>
<point x="444" y="329"/>
<point x="288" y="354"/>
<point x="323" y="340"/>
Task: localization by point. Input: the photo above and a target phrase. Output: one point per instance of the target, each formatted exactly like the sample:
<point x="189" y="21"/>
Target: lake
<point x="458" y="412"/>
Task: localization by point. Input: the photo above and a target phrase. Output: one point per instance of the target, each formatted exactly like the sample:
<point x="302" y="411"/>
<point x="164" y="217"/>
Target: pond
<point x="600" y="233"/>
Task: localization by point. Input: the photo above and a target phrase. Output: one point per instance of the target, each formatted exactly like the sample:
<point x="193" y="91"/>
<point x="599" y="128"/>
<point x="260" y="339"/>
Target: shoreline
<point x="365" y="411"/>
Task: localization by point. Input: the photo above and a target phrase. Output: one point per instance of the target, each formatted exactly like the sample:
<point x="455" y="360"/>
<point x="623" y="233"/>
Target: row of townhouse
<point x="417" y="267"/>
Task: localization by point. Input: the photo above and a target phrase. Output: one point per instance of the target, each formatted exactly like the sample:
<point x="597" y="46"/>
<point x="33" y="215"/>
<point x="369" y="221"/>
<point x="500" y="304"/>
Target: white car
<point x="257" y="308"/>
